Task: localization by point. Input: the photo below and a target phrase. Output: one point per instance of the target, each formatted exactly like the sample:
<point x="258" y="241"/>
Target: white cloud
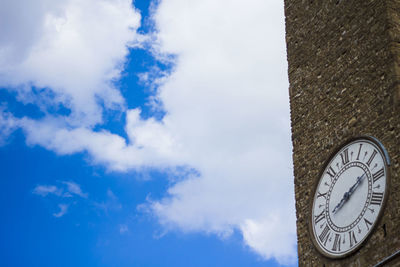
<point x="110" y="204"/>
<point x="123" y="228"/>
<point x="70" y="189"/>
<point x="262" y="236"/>
<point x="75" y="189"/>
<point x="8" y="124"/>
<point x="44" y="190"/>
<point x="62" y="212"/>
<point x="226" y="103"/>
<point x="150" y="143"/>
<point x="73" y="49"/>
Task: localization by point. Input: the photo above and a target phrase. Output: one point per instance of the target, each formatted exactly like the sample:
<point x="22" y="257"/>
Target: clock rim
<point x="387" y="164"/>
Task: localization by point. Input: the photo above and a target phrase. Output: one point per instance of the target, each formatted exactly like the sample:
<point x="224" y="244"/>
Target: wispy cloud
<point x="70" y="189"/>
<point x="63" y="210"/>
<point x="44" y="190"/>
<point x="123" y="228"/>
<point x="110" y="204"/>
<point x="66" y="190"/>
<point x="8" y="124"/>
<point x="74" y="189"/>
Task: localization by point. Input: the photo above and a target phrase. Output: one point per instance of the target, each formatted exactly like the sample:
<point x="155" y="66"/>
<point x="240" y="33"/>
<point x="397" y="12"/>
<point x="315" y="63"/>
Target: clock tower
<point x="344" y="75"/>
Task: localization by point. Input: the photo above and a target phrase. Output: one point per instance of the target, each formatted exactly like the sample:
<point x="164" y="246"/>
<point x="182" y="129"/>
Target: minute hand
<point x="347" y="195"/>
<point x="358" y="182"/>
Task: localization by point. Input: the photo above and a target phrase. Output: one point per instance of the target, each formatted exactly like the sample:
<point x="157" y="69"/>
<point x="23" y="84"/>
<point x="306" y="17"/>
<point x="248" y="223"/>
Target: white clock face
<point x="349" y="197"/>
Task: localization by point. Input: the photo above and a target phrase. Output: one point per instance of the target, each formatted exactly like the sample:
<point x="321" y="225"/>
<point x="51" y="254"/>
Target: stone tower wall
<point x="344" y="74"/>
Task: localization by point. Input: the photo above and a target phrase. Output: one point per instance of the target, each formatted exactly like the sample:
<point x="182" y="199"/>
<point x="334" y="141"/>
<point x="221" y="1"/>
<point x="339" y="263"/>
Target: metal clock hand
<point x="347" y="195"/>
<point x="358" y="182"/>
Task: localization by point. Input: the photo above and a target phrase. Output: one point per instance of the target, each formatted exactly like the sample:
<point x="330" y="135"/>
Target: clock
<point x="349" y="197"/>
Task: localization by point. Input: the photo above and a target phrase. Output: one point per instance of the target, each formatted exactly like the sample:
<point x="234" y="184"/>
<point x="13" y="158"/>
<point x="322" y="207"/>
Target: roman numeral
<point x="345" y="156"/>
<point x="320" y="217"/>
<point x="331" y="172"/>
<point x="367" y="223"/>
<point x="353" y="239"/>
<point x="371" y="158"/>
<point x="378" y="175"/>
<point x="359" y="150"/>
<point x="321" y="195"/>
<point x="376" y="198"/>
<point x="325" y="234"/>
<point x="336" y="243"/>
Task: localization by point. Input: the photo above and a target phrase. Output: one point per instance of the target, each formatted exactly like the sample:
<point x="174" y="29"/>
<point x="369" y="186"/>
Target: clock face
<point x="349" y="197"/>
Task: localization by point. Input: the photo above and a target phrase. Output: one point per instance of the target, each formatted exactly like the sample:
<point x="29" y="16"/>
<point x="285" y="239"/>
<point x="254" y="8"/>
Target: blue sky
<point x="152" y="133"/>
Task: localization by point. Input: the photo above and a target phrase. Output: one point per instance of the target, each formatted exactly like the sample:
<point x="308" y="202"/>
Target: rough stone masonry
<point x="344" y="74"/>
